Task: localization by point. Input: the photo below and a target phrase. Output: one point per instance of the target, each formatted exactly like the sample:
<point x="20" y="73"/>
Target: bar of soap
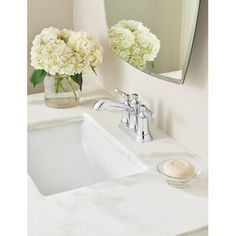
<point x="178" y="168"/>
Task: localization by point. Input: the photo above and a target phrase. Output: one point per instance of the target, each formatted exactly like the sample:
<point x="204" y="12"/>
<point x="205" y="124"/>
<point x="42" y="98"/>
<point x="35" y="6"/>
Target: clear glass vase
<point x="61" y="92"/>
<point x="149" y="67"/>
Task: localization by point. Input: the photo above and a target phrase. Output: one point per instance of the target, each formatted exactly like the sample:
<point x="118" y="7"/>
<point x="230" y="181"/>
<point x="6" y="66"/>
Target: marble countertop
<point x="138" y="205"/>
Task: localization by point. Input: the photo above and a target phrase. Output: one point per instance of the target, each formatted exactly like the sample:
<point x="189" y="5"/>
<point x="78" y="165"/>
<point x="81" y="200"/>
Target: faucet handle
<point x="144" y="112"/>
<point x="134" y="102"/>
<point x="126" y="96"/>
<point x="135" y="98"/>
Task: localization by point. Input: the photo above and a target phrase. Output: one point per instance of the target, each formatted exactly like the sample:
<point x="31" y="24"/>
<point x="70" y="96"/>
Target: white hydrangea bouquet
<point x="64" y="55"/>
<point x="134" y="42"/>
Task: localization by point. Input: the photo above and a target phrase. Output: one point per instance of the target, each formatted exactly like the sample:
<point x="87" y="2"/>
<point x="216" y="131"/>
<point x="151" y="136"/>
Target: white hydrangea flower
<point x="89" y="51"/>
<point x="134" y="42"/>
<point x="65" y="52"/>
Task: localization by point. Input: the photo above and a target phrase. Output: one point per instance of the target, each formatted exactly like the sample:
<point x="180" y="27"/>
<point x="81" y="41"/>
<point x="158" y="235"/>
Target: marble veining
<point x="137" y="205"/>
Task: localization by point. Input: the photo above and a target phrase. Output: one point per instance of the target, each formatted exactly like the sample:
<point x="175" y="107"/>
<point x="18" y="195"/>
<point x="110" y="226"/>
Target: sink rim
<point x="85" y="117"/>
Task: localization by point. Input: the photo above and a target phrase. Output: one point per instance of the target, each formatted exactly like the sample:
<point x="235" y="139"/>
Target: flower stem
<point x="57" y="84"/>
<point x="62" y="87"/>
<point x="71" y="86"/>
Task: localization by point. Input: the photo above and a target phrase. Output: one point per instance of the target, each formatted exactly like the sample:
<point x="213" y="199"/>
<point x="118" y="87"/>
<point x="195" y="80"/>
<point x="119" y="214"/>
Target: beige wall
<point x="181" y="109"/>
<point x="45" y="13"/>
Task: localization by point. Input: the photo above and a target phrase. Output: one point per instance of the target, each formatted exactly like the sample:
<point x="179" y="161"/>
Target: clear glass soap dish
<point x="177" y="181"/>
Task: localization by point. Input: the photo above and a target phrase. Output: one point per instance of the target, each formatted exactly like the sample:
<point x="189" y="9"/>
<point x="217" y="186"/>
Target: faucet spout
<point x="105" y="103"/>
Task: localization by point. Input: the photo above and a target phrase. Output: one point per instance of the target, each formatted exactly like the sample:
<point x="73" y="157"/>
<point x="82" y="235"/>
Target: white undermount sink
<point x="65" y="156"/>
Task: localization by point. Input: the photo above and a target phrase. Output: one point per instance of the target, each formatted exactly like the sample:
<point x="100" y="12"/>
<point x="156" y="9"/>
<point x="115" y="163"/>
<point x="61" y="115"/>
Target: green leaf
<point x="37" y="77"/>
<point x="78" y="79"/>
<point x="93" y="69"/>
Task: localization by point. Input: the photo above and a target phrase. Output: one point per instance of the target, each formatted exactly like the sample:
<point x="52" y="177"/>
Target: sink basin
<point x="65" y="156"/>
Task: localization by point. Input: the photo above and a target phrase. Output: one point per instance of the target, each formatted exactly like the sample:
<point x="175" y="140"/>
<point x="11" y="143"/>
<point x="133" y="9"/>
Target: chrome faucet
<point x="135" y="116"/>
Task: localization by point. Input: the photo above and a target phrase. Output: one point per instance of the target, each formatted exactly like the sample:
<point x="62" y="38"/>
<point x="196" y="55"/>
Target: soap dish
<point x="179" y="182"/>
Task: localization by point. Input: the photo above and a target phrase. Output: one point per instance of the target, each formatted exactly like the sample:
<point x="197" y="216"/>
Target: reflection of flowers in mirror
<point x="134" y="42"/>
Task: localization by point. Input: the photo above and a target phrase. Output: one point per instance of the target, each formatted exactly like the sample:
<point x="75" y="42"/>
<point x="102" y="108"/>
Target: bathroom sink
<point x="66" y="156"/>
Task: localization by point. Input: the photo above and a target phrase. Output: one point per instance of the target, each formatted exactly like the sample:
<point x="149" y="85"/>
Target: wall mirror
<point x="155" y="36"/>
